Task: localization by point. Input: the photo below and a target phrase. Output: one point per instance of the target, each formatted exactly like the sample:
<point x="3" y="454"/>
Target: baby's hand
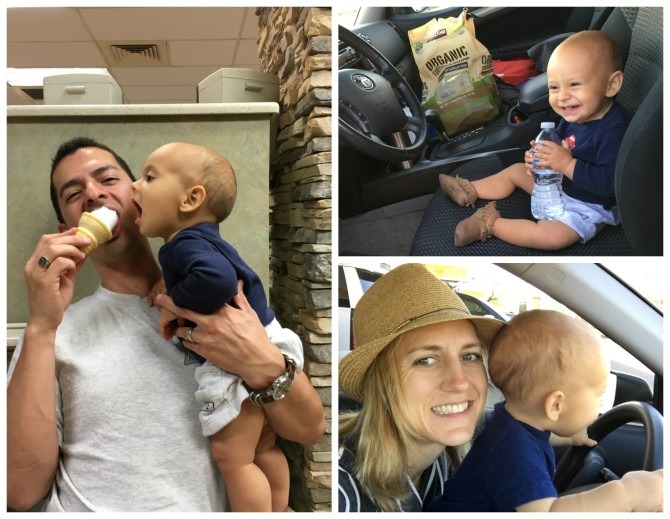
<point x="158" y="288"/>
<point x="582" y="438"/>
<point x="555" y="156"/>
<point x="165" y="323"/>
<point x="577" y="439"/>
<point x="528" y="159"/>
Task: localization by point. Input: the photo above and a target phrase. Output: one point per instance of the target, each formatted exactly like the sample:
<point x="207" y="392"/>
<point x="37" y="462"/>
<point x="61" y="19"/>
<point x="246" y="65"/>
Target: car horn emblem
<point x="363" y="82"/>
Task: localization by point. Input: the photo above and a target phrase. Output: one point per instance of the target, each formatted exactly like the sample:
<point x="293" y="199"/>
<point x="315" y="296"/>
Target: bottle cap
<point x="547" y="125"/>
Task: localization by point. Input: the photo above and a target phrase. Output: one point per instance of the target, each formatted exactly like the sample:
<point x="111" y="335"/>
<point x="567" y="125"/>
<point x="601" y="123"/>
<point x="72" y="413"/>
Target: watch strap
<point x="265" y="396"/>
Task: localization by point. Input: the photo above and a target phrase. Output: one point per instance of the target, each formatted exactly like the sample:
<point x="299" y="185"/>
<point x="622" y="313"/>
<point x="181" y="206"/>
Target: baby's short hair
<point x="538" y="349"/>
<point x="218" y="178"/>
<point x="602" y="41"/>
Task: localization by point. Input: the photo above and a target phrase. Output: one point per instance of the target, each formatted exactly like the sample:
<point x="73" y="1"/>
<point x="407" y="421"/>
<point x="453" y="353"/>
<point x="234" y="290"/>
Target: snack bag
<point x="456" y="71"/>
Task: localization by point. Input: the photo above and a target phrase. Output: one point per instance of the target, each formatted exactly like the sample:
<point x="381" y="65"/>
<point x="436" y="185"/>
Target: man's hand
<point x="644" y="490"/>
<point x="51" y="286"/>
<point x="232" y="338"/>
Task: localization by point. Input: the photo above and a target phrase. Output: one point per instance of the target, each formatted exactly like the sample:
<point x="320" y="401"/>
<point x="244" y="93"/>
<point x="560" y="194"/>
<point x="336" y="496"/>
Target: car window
<point x="347" y="17"/>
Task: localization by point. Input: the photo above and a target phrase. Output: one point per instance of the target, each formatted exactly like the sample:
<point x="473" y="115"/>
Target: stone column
<point x="295" y="45"/>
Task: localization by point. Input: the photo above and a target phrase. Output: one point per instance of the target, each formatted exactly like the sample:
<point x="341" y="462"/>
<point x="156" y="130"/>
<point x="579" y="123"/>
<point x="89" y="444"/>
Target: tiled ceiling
<point x="192" y="43"/>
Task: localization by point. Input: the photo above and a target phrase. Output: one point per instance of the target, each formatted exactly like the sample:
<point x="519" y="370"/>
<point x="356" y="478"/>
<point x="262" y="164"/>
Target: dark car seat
<point x="541" y="52"/>
<point x="639" y="168"/>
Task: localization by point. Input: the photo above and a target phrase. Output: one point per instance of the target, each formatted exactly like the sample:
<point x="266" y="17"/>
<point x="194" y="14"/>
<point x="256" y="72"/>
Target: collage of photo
<point x="479" y="191"/>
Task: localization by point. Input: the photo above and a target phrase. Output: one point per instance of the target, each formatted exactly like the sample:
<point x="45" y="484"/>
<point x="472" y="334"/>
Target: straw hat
<point x="405" y="298"/>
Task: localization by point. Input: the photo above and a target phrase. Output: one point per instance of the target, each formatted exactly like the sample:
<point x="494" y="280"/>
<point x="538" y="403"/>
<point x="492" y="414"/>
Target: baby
<point x="552" y="373"/>
<point x="584" y="75"/>
<point x="184" y="193"/>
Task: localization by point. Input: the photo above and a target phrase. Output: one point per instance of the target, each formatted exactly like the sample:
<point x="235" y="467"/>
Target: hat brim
<point x="353" y="366"/>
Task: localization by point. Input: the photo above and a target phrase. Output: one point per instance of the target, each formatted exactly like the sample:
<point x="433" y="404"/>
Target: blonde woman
<point x="418" y="371"/>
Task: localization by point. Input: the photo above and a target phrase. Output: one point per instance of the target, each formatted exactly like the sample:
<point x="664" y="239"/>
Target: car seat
<point x="638" y="174"/>
<point x="540" y="53"/>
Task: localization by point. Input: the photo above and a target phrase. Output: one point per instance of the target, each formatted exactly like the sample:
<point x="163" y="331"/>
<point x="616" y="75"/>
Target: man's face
<point x="88" y="179"/>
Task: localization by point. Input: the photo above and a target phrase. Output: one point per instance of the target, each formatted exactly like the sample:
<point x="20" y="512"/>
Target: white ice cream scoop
<point x="97" y="225"/>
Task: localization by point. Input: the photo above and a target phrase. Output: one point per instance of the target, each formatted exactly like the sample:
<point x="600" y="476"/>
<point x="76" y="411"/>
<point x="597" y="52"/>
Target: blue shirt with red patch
<point x="595" y="145"/>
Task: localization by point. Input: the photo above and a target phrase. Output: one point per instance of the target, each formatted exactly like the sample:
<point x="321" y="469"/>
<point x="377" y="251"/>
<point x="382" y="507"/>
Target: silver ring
<point x="44" y="262"/>
<point x="190" y="331"/>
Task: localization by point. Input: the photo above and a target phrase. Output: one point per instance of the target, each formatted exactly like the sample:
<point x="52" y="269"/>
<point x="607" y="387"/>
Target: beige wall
<point x="32" y="141"/>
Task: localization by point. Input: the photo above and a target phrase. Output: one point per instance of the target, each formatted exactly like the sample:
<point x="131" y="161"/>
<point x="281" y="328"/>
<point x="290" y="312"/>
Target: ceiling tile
<point x="178" y="23"/>
<point x="45" y="24"/>
<point x="202" y="52"/>
<point x="251" y="28"/>
<point x="57" y="54"/>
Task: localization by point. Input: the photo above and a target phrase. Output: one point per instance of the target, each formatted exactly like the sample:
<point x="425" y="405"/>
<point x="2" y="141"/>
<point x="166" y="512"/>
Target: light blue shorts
<point x="220" y="394"/>
<point x="587" y="219"/>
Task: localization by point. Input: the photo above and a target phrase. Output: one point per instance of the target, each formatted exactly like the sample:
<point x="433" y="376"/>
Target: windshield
<point x="644" y="277"/>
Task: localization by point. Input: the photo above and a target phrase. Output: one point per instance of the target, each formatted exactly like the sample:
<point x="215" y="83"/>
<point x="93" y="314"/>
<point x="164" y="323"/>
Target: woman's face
<point x="443" y="381"/>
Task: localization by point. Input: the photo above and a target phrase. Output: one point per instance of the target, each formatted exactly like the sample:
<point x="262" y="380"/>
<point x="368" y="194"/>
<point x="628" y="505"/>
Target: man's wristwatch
<point x="278" y="389"/>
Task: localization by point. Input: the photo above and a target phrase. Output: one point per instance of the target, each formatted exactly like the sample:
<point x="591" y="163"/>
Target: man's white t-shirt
<point x="128" y="424"/>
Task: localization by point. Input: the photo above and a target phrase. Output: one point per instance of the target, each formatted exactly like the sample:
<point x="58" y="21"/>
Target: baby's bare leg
<point x="273" y="463"/>
<point x="544" y="234"/>
<point x="234" y="449"/>
<point x="502" y="184"/>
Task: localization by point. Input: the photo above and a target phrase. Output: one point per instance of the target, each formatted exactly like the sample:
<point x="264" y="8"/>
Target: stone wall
<point x="295" y="45"/>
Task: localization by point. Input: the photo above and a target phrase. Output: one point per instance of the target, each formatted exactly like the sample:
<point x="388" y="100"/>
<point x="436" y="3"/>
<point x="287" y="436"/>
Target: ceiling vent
<point x="136" y="54"/>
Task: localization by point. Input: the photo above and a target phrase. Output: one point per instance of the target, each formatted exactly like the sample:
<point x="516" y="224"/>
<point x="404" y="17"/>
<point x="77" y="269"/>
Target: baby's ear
<point x="554" y="404"/>
<point x="193" y="199"/>
<point x="614" y="83"/>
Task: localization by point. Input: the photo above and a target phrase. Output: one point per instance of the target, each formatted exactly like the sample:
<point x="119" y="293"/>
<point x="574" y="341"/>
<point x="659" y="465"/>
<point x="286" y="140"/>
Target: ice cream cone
<point x="94" y="228"/>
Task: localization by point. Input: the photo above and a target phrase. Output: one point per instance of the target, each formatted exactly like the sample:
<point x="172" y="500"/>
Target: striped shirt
<point x="353" y="498"/>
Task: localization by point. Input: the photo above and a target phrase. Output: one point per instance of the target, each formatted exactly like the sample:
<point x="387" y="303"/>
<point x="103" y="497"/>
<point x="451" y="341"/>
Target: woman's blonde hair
<point x="383" y="435"/>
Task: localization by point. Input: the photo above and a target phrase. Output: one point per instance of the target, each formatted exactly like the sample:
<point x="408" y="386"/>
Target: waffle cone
<point x="95" y="229"/>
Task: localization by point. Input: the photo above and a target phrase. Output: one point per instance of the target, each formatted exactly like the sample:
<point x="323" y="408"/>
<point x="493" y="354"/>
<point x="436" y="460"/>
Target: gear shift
<point x="433" y="118"/>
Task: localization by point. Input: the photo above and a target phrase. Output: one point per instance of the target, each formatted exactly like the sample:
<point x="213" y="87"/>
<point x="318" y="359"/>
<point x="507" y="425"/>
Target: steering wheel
<point x="369" y="108"/>
<point x="572" y="471"/>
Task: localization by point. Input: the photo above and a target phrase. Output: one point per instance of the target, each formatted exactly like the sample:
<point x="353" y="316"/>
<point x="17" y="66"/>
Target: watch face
<point x="282" y="386"/>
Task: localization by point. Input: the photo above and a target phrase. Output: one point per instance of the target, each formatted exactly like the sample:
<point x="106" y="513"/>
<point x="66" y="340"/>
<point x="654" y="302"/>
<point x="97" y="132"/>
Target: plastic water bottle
<point x="546" y="201"/>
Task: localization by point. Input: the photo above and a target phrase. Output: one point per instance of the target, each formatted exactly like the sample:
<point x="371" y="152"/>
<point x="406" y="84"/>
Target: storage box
<point x="238" y="85"/>
<point x="82" y="89"/>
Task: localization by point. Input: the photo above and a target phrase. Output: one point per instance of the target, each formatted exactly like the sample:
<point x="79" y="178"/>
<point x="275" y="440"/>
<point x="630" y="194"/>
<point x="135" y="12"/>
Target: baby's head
<point x="552" y="366"/>
<point x="183" y="185"/>
<point x="584" y="74"/>
<point x="203" y="166"/>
